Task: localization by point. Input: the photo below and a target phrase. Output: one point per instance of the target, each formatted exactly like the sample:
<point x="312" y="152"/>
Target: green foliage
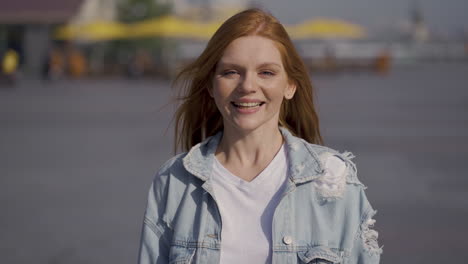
<point x="121" y="51"/>
<point x="130" y="11"/>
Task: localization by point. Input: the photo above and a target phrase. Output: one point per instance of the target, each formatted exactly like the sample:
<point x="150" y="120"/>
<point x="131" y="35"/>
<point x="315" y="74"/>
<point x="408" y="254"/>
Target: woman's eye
<point x="267" y="73"/>
<point x="228" y="73"/>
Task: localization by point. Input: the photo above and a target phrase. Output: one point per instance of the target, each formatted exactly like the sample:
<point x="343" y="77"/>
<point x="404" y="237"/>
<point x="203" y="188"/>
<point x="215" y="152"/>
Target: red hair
<point x="198" y="117"/>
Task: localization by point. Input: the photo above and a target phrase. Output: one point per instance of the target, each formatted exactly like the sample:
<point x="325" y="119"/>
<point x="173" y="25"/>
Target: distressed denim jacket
<point x="321" y="218"/>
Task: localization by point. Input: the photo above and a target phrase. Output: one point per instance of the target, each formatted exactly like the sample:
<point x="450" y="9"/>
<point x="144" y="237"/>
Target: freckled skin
<point x="251" y="68"/>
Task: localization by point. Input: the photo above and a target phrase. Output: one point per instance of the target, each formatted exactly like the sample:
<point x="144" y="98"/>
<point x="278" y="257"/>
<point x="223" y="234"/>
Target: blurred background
<point x="86" y="108"/>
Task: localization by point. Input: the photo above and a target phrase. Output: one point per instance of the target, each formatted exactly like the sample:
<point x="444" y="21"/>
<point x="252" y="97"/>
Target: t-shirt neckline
<point x="278" y="159"/>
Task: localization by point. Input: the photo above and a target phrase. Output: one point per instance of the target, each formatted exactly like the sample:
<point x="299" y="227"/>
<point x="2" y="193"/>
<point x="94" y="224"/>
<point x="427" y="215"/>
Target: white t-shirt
<point x="247" y="210"/>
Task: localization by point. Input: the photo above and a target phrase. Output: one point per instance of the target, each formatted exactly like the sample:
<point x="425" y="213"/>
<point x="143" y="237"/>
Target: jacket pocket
<point x="319" y="255"/>
<point x="181" y="255"/>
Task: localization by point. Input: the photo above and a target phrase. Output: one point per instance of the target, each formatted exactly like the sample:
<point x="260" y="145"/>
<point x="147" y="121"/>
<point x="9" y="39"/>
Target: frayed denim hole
<point x="369" y="237"/>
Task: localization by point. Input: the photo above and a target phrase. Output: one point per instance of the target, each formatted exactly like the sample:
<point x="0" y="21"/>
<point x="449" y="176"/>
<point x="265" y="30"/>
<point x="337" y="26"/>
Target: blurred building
<point x="419" y="29"/>
<point x="26" y="27"/>
<point x="95" y="10"/>
<point x="207" y="10"/>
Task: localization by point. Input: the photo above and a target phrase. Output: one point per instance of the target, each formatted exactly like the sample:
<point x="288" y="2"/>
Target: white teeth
<point x="247" y="104"/>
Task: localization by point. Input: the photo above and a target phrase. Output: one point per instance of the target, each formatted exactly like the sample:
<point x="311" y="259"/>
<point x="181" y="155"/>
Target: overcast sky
<point x="440" y="15"/>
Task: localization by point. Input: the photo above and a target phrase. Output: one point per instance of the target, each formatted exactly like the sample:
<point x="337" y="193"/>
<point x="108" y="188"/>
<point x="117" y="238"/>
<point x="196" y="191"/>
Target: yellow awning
<point x="325" y="28"/>
<point x="171" y="26"/>
<point x="93" y="31"/>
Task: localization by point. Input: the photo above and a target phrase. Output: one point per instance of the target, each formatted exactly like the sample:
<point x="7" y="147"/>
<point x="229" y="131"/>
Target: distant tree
<point x="132" y="11"/>
<point x="129" y="11"/>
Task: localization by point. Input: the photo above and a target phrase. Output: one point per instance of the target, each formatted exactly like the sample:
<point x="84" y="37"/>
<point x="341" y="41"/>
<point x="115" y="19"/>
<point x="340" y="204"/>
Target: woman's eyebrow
<point x="269" y="64"/>
<point x="262" y="65"/>
<point x="228" y="64"/>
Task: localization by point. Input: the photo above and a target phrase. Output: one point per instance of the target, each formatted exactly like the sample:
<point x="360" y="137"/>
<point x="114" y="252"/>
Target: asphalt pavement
<point x="77" y="158"/>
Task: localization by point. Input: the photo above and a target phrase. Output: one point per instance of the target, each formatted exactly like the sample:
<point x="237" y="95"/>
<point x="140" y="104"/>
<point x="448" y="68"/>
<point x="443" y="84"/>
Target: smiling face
<point x="250" y="84"/>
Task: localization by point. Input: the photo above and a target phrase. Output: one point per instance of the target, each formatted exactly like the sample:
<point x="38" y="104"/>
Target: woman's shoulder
<point x="336" y="164"/>
<point x="338" y="177"/>
<point x="172" y="163"/>
<point x="172" y="168"/>
<point x="339" y="180"/>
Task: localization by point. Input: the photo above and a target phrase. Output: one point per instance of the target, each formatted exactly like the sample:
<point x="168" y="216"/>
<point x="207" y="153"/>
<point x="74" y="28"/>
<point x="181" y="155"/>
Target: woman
<point x="255" y="185"/>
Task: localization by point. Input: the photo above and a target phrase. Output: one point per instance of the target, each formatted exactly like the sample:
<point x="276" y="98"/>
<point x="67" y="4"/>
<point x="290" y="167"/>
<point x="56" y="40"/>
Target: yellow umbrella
<point x="171" y="26"/>
<point x="326" y="28"/>
<point x="95" y="31"/>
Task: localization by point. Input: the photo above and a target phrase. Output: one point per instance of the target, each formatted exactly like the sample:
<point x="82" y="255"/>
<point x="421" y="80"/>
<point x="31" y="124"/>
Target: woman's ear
<point x="290" y="90"/>
<point x="210" y="90"/>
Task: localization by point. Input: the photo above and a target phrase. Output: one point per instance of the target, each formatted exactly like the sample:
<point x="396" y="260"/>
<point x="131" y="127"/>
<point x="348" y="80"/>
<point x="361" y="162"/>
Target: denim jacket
<point x="321" y="218"/>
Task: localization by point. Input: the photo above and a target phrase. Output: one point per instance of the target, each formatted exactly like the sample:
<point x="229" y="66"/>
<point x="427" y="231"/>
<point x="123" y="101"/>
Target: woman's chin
<point x="248" y="125"/>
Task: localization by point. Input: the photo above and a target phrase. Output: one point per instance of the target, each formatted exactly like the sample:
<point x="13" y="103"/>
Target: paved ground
<point x="77" y="158"/>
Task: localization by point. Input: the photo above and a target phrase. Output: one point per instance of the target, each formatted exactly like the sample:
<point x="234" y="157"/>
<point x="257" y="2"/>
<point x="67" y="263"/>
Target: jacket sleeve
<point x="156" y="234"/>
<point x="365" y="248"/>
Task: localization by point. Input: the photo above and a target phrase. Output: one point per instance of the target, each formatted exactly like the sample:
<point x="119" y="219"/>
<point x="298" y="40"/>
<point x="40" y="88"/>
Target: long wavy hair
<point x="197" y="116"/>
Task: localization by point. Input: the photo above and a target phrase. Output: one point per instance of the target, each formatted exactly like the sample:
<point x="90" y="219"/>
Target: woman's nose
<point x="248" y="83"/>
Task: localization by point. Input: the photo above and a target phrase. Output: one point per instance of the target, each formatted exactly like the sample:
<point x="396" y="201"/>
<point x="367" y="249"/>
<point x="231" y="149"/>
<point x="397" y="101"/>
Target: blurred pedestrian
<point x="10" y="64"/>
<point x="76" y="62"/>
<point x="382" y="62"/>
<point x="140" y="64"/>
<point x="255" y="185"/>
<point x="54" y="64"/>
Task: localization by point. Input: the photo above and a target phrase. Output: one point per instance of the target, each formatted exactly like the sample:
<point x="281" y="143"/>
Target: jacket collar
<point x="303" y="162"/>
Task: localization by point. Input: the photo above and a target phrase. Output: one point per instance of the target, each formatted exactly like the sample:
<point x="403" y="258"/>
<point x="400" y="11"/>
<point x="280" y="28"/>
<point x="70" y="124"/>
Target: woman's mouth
<point x="247" y="105"/>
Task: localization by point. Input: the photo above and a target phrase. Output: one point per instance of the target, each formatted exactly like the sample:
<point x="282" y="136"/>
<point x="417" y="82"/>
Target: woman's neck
<point x="249" y="149"/>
